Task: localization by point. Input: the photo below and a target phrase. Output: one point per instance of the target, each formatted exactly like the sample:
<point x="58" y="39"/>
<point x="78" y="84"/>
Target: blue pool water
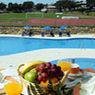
<point x="82" y="62"/>
<point x="12" y="45"/>
<point x="85" y="63"/>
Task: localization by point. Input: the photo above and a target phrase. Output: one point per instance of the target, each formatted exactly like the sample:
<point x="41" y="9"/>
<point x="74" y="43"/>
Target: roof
<point x="51" y="7"/>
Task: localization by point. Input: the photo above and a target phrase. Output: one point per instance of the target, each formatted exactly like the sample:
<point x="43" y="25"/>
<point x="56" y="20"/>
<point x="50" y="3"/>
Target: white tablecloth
<point x="88" y="87"/>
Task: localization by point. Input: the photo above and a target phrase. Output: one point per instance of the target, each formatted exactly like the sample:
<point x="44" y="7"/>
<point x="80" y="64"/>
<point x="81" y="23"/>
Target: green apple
<point x="30" y="76"/>
<point x="33" y="71"/>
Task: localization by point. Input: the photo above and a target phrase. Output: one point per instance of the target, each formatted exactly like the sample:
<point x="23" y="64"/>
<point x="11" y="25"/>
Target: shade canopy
<point x="63" y="27"/>
<point x="47" y="28"/>
<point x="27" y="27"/>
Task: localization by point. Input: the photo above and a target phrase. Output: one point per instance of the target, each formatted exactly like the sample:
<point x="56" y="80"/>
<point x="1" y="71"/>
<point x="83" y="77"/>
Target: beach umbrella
<point x="27" y="27"/>
<point x="48" y="28"/>
<point x="63" y="27"/>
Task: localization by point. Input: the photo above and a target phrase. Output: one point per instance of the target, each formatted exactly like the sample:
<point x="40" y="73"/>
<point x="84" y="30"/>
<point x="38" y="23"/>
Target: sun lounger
<point x="42" y="34"/>
<point x="60" y="33"/>
<point x="52" y="34"/>
<point x="25" y="33"/>
<point x="69" y="34"/>
<point x="30" y="33"/>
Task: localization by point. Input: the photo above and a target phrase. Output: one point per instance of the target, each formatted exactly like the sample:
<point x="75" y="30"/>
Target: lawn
<point x="12" y="16"/>
<point x="7" y="18"/>
<point x="24" y="16"/>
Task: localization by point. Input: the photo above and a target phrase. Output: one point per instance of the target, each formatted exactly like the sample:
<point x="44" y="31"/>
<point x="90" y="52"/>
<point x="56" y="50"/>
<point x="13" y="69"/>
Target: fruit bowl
<point x="42" y="78"/>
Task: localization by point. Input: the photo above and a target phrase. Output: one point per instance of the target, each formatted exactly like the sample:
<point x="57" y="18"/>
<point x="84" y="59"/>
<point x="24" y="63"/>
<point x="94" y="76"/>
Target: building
<point x="51" y="8"/>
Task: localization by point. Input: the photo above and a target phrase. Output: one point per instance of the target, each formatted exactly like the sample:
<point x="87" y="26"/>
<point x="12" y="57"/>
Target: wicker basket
<point x="36" y="89"/>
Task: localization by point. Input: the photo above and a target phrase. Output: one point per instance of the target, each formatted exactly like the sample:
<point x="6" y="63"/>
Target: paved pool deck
<point x="46" y="54"/>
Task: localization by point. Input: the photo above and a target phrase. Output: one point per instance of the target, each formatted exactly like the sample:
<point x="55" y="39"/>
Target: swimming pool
<point x="13" y="45"/>
<point x="82" y="62"/>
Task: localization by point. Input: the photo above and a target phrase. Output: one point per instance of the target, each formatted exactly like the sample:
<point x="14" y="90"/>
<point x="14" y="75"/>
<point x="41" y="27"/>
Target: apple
<point x="30" y="76"/>
<point x="33" y="71"/>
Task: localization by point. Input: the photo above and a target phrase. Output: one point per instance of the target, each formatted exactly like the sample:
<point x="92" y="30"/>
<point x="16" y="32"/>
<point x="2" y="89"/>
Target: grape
<point x="44" y="79"/>
<point x="37" y="68"/>
<point x="41" y="68"/>
<point x="61" y="74"/>
<point x="54" y="65"/>
<point x="40" y="78"/>
<point x="47" y="71"/>
<point x="53" y="69"/>
<point x="44" y="75"/>
<point x="42" y="65"/>
<point x="58" y="68"/>
<point x="48" y="65"/>
<point x="56" y="74"/>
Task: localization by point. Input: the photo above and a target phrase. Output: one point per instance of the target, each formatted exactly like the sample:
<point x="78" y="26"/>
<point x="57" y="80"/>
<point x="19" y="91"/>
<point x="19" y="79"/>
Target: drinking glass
<point x="13" y="88"/>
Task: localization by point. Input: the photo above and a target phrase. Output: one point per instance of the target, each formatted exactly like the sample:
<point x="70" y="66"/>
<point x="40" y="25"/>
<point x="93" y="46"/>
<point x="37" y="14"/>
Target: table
<point x="76" y="89"/>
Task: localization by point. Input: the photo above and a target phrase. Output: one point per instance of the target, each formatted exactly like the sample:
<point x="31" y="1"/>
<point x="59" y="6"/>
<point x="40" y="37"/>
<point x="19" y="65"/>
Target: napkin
<point x="88" y="87"/>
<point x="1" y="85"/>
<point x="9" y="72"/>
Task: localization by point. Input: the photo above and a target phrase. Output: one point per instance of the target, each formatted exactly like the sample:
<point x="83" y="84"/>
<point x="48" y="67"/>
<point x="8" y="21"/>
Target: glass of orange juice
<point x="13" y="88"/>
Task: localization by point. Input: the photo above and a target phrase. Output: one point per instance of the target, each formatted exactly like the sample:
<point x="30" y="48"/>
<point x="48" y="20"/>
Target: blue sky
<point x="35" y="1"/>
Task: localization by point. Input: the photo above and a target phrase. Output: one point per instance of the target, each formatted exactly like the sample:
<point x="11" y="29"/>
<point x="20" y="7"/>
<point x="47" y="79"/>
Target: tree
<point x="59" y="5"/>
<point x="20" y="8"/>
<point x="91" y="3"/>
<point x="64" y="4"/>
<point x="28" y="5"/>
<point x="2" y="6"/>
<point x="39" y="6"/>
<point x="10" y="6"/>
<point x="14" y="7"/>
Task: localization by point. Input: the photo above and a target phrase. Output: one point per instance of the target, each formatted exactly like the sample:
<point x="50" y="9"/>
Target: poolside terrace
<point x="44" y="55"/>
<point x="47" y="54"/>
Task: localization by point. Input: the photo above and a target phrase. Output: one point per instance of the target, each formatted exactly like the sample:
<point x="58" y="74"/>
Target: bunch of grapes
<point x="48" y="71"/>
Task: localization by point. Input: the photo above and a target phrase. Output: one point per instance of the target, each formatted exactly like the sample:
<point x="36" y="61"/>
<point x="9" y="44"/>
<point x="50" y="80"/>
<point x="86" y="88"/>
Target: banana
<point x="27" y="67"/>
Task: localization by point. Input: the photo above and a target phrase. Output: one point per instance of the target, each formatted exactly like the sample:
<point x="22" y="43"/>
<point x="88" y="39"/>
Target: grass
<point x="10" y="16"/>
<point x="23" y="17"/>
<point x="80" y="15"/>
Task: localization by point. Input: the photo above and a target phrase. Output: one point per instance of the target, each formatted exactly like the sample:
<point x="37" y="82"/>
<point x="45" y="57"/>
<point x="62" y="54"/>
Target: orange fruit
<point x="54" y="80"/>
<point x="44" y="84"/>
<point x="65" y="66"/>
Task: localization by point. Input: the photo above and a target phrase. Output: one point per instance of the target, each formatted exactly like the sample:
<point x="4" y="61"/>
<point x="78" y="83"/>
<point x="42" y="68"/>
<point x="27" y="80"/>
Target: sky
<point x="35" y="1"/>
